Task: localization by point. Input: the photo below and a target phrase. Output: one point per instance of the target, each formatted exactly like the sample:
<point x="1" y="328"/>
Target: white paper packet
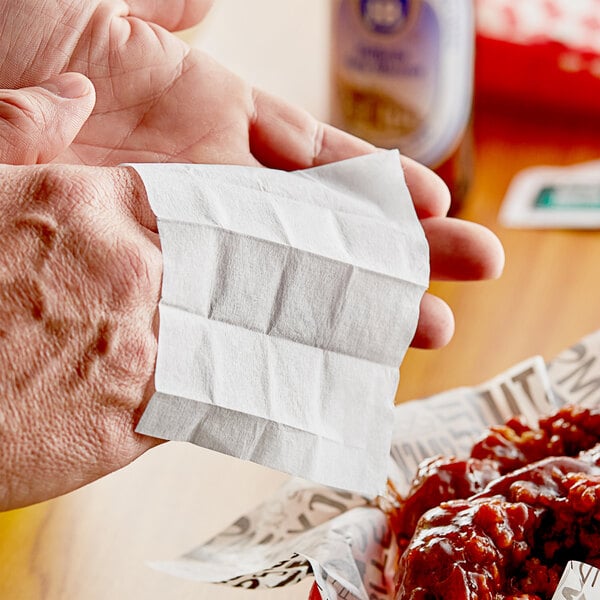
<point x="288" y="303"/>
<point x="554" y="198"/>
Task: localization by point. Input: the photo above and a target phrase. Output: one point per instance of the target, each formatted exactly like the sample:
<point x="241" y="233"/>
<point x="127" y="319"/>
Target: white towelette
<point x="288" y="303"/>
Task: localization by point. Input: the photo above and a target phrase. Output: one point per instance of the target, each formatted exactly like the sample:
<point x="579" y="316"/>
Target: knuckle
<point x="138" y="355"/>
<point x="53" y="187"/>
<point x="70" y="190"/>
<point x="134" y="266"/>
<point x="137" y="271"/>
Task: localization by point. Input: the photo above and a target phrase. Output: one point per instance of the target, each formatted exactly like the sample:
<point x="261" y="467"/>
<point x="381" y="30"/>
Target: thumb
<point x="38" y="123"/>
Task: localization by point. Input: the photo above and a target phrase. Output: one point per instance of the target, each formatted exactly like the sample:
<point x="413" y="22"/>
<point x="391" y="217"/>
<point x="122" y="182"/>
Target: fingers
<point x="461" y="250"/>
<point x="429" y="193"/>
<point x="436" y="324"/>
<point x="173" y="15"/>
<point x="38" y="123"/>
<point x="283" y="136"/>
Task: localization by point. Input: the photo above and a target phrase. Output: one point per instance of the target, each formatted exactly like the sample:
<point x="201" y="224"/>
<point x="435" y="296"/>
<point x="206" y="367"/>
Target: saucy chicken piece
<point x="565" y="433"/>
<point x="503" y="523"/>
<point x="510" y="541"/>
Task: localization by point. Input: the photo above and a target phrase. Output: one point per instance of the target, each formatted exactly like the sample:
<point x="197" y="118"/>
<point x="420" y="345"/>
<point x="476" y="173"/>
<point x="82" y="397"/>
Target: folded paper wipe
<point x="288" y="303"/>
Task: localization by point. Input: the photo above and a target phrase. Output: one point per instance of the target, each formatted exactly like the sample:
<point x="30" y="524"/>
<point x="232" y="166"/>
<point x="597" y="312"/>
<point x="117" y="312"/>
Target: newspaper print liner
<point x="578" y="582"/>
<point x="340" y="537"/>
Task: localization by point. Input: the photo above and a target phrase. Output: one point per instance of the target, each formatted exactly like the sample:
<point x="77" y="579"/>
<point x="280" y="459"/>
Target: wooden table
<point x="93" y="544"/>
<point x="547" y="296"/>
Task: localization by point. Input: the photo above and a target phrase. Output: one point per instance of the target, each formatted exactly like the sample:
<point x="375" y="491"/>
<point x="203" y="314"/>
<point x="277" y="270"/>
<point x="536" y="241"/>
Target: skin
<point x="79" y="283"/>
<point x="80" y="263"/>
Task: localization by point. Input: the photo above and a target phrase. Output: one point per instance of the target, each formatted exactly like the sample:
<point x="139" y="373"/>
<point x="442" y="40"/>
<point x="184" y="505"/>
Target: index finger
<point x="283" y="136"/>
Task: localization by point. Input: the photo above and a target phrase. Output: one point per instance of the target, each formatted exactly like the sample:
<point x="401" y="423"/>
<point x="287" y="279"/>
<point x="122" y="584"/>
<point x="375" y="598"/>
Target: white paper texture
<point x="288" y="303"/>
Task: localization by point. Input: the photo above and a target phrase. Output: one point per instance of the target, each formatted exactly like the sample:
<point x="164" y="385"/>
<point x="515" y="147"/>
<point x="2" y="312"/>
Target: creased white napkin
<point x="288" y="303"/>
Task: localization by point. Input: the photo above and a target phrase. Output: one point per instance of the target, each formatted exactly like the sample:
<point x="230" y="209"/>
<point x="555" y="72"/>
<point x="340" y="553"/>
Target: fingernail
<point x="67" y="85"/>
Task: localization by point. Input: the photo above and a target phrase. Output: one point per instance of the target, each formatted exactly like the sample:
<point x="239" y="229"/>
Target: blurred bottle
<point x="402" y="77"/>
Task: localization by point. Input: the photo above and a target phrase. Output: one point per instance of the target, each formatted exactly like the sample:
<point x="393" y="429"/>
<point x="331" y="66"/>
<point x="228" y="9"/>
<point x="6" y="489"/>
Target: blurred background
<point x="530" y="54"/>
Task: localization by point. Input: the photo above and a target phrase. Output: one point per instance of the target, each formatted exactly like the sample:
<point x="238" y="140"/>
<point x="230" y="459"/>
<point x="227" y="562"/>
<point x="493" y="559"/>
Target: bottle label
<point x="402" y="73"/>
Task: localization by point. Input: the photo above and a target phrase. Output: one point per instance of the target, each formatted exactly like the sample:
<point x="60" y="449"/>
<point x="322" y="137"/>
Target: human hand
<point x="80" y="273"/>
<point x="158" y="100"/>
